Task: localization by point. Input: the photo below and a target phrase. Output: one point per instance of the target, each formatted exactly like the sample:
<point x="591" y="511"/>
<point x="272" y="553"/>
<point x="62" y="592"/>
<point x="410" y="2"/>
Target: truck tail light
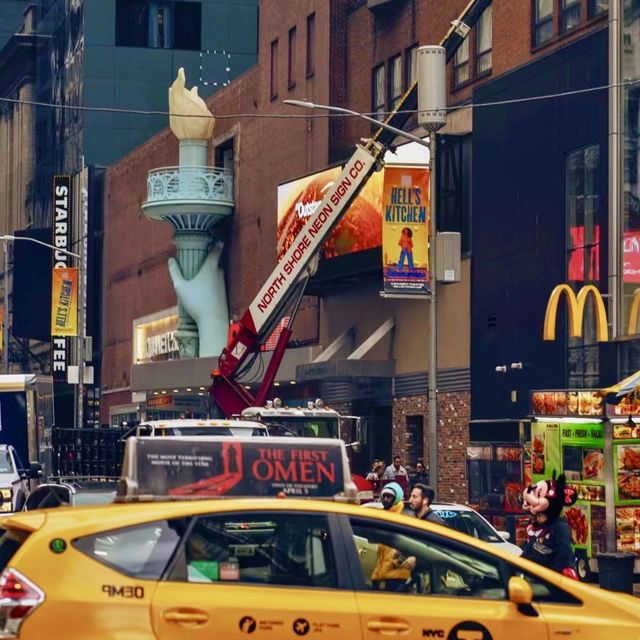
<point x="18" y="598"/>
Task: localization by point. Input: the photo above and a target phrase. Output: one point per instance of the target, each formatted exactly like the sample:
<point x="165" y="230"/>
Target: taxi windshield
<point x="469" y="522"/>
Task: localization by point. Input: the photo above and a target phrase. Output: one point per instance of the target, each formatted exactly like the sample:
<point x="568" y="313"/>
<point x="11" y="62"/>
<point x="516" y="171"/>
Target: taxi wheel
<point x="582" y="567"/>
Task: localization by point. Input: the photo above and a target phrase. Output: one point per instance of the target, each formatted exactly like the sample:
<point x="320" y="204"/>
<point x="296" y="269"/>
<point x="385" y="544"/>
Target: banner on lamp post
<point x="64" y="302"/>
<point x="405" y="230"/>
<point x="61" y="232"/>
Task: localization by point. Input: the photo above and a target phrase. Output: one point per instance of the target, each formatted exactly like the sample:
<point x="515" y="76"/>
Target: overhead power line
<point x="468" y="105"/>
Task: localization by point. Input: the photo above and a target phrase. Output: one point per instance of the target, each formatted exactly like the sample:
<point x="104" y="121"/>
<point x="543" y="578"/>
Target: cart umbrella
<point x="616" y="392"/>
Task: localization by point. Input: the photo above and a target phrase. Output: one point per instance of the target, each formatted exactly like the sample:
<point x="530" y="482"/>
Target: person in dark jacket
<point x="549" y="542"/>
<point x="420" y="502"/>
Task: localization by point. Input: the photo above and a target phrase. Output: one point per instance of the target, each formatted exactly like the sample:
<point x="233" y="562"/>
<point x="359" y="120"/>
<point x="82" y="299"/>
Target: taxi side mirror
<point x="521" y="594"/>
<point x="505" y="535"/>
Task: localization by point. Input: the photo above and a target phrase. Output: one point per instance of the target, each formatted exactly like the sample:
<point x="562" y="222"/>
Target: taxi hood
<point x="183" y="467"/>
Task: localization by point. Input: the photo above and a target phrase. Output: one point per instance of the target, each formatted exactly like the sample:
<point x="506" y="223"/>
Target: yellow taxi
<point x="278" y="568"/>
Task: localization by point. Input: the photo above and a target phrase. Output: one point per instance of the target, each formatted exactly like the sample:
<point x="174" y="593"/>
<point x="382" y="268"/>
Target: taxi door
<point x="455" y="592"/>
<point x="265" y="574"/>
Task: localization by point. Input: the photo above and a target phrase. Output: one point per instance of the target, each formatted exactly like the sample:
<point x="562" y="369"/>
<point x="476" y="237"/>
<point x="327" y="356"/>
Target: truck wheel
<point x="20" y="501"/>
<point x="582" y="567"/>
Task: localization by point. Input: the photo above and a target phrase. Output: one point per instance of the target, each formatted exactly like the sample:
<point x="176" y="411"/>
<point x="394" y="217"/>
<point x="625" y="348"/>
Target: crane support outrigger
<point x="285" y="286"/>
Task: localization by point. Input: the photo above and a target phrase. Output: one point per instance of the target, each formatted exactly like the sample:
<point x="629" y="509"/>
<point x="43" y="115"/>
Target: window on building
<point x="461" y="63"/>
<point x="569" y="14"/>
<point x="596" y="7"/>
<point x="411" y="66"/>
<point x="274" y="70"/>
<point x="378" y="93"/>
<point x="158" y="24"/>
<point x="543" y="21"/>
<point x="395" y="80"/>
<point x="484" y="41"/>
<point x="583" y="178"/>
<point x="291" y="68"/>
<point x="311" y="43"/>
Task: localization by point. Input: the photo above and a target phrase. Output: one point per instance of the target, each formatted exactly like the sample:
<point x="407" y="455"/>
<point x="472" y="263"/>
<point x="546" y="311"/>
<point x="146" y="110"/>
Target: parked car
<point x="283" y="568"/>
<point x="467" y="520"/>
<point x="71" y="492"/>
<point x="14" y="480"/>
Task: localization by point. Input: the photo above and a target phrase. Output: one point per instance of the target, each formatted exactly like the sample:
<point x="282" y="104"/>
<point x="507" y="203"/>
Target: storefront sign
<point x="61" y="238"/>
<point x="161" y="344"/>
<point x="405" y="230"/>
<point x="159" y="401"/>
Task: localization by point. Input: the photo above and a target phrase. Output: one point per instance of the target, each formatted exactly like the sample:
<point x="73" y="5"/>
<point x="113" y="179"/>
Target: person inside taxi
<point x="389" y="573"/>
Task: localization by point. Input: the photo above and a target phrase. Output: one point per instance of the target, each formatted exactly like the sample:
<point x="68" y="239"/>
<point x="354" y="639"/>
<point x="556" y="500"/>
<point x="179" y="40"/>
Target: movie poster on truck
<point x="405" y="230"/>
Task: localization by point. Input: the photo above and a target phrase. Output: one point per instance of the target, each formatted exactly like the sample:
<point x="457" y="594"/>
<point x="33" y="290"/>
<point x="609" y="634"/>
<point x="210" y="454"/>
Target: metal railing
<point x="212" y="184"/>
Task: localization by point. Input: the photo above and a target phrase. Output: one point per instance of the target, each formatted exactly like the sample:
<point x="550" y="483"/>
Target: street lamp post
<point x="10" y="238"/>
<point x="431" y="115"/>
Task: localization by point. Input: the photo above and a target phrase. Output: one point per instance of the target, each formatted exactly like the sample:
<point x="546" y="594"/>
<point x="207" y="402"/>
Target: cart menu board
<point x="545" y="450"/>
<point x="626" y="457"/>
<point x="577" y="450"/>
<point x="580" y="402"/>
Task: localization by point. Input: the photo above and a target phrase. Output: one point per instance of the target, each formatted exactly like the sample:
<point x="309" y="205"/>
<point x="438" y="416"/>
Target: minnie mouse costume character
<point x="549" y="541"/>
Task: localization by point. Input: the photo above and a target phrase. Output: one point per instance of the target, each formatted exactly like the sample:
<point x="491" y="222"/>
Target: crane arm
<point x="288" y="278"/>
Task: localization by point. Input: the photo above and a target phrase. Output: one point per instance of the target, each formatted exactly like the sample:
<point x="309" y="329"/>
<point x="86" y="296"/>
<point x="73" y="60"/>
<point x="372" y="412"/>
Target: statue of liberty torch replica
<point x="193" y="198"/>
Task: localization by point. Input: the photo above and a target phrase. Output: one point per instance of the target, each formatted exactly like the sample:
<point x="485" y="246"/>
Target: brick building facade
<point x="272" y="143"/>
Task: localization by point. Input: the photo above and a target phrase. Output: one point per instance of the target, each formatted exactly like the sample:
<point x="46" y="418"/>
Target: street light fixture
<point x="431" y="115"/>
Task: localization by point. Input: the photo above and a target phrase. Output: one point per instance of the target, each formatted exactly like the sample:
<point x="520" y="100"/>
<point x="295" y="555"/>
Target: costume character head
<point x="548" y="497"/>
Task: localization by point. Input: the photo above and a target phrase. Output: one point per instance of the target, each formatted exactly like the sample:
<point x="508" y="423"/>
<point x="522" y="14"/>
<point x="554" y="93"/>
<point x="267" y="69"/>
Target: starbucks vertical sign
<point x="61" y="220"/>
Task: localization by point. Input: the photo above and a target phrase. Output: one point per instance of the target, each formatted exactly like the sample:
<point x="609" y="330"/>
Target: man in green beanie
<point x="388" y="569"/>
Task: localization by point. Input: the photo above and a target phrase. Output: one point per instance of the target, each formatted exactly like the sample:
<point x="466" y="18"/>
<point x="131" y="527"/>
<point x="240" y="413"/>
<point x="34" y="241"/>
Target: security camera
<point x="501" y="368"/>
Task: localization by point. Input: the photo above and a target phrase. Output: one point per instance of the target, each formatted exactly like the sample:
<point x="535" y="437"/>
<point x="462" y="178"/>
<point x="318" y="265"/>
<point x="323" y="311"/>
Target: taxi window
<point x="10" y="542"/>
<point x="142" y="551"/>
<point x="271" y="549"/>
<point x="442" y="568"/>
<point x="544" y="591"/>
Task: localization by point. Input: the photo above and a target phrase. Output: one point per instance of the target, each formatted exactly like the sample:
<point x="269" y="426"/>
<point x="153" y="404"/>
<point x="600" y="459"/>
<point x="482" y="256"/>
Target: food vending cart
<point x="597" y="446"/>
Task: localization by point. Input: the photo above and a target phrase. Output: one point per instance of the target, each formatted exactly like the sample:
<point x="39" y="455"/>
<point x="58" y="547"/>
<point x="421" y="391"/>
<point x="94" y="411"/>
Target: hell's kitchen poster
<point x="183" y="468"/>
<point x="405" y="230"/>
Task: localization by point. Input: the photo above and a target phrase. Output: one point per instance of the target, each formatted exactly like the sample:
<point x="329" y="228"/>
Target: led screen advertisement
<point x="359" y="229"/>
